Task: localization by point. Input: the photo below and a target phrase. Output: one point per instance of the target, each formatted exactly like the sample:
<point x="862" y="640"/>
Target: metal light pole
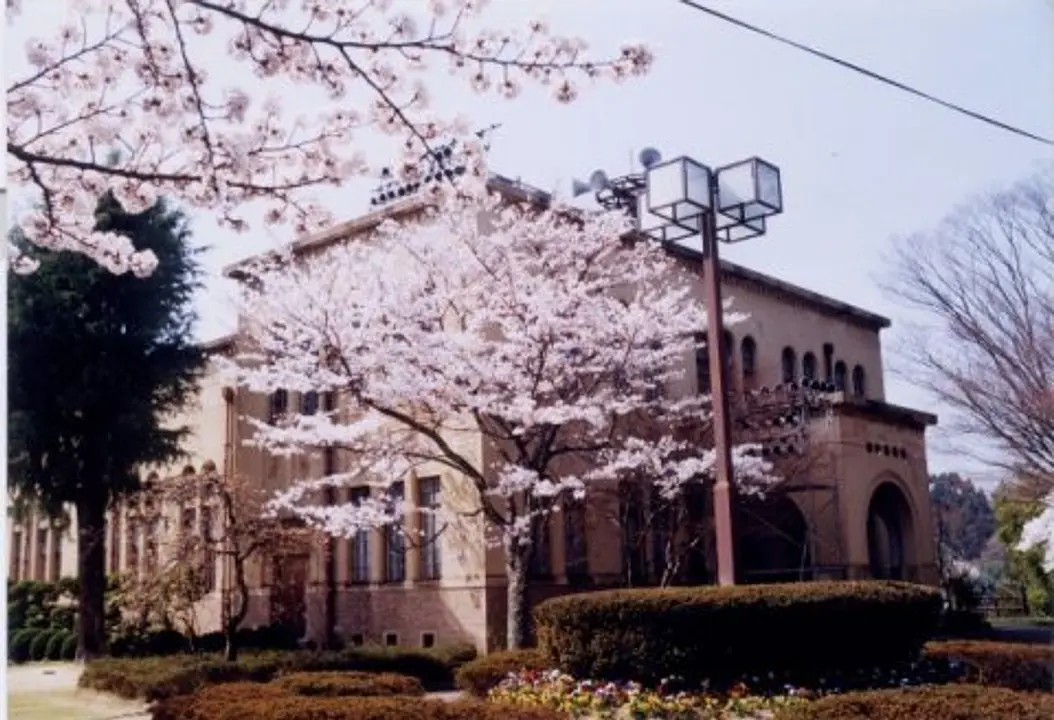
<point x="685" y="199"/>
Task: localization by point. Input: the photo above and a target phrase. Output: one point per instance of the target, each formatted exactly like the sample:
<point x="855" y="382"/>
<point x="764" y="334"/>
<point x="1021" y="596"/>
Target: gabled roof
<point x="516" y="191"/>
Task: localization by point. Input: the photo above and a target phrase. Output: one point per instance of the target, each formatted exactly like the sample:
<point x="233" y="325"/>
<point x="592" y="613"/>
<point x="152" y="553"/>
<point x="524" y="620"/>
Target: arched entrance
<point x="773" y="541"/>
<point x="889" y="533"/>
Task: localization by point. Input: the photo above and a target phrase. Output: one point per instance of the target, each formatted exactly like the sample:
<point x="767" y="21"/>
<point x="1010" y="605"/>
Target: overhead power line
<point x="869" y="73"/>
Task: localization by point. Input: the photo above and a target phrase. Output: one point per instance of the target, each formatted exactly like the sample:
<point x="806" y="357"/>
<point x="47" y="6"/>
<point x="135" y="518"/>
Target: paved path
<point x="48" y="691"/>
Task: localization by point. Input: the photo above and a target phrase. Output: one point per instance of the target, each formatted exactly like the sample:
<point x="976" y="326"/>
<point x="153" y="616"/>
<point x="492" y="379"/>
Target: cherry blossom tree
<point x="127" y="96"/>
<point x="552" y="339"/>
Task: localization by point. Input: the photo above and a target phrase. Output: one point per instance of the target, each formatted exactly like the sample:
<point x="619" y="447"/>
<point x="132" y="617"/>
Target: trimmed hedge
<point x="1009" y="665"/>
<point x="719" y="633"/>
<point x="162" y="677"/>
<point x="69" y="647"/>
<point x="55" y="643"/>
<point x="38" y="647"/>
<point x="939" y="702"/>
<point x="265" y="702"/>
<point x="349" y="684"/>
<point x="483" y="674"/>
<point x="18" y="644"/>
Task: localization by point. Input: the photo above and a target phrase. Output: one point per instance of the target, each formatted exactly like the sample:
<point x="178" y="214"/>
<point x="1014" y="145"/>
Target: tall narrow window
<point x="840" y="372"/>
<point x="279" y="406"/>
<point x="748" y="356"/>
<point x="209" y="555"/>
<point x="576" y="549"/>
<point x="40" y="571"/>
<point x="859" y="381"/>
<point x="428" y="501"/>
<point x="394" y="539"/>
<point x="359" y="557"/>
<point x="631" y="520"/>
<point x="15" y="571"/>
<point x="309" y="403"/>
<point x="661" y="512"/>
<point x="730" y="350"/>
<point x="789" y="362"/>
<point x="541" y="567"/>
<point x="808" y="366"/>
<point x="702" y="364"/>
<point x="56" y="554"/>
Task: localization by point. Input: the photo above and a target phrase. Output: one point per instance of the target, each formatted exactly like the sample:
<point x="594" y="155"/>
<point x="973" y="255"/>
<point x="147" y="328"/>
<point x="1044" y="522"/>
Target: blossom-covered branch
<point x="534" y="339"/>
<point x="128" y="97"/>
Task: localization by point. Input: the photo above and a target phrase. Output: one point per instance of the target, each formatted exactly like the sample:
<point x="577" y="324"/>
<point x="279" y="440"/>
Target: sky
<point x="861" y="162"/>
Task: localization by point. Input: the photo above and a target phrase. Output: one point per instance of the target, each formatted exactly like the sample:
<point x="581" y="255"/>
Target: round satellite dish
<point x="650" y="156"/>
<point x="598" y="180"/>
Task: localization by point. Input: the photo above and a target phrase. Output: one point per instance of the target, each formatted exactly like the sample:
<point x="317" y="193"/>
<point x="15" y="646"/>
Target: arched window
<point x="840" y="373"/>
<point x="748" y="356"/>
<point x="730" y="350"/>
<point x="309" y="403"/>
<point x="790" y="364"/>
<point x="702" y="363"/>
<point x="808" y="366"/>
<point x="859" y="382"/>
<point x="279" y="405"/>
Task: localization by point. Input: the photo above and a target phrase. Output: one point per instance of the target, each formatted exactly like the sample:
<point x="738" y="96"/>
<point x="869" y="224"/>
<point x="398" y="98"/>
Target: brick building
<point x="855" y="504"/>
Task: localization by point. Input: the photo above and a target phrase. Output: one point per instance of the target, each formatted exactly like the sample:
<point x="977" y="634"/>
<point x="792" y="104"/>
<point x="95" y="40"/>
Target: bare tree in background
<point x="984" y="279"/>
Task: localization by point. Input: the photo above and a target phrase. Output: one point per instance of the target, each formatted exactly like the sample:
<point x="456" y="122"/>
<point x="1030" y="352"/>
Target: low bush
<point x="941" y="702"/>
<point x="234" y="702"/>
<point x="962" y="624"/>
<point x="1009" y="665"/>
<point x="69" y="647"/>
<point x="18" y="644"/>
<point x="55" y="643"/>
<point x="481" y="675"/>
<point x="349" y="684"/>
<point x="38" y="648"/>
<point x="153" y="678"/>
<point x="719" y="632"/>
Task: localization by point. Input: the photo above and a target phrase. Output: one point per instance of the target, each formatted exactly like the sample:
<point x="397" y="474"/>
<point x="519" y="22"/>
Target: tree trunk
<point x="239" y="609"/>
<point x="516" y="557"/>
<point x="91" y="569"/>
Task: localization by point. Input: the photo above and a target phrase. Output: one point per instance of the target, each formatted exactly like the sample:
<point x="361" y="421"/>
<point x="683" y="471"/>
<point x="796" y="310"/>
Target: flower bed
<point x="596" y="699"/>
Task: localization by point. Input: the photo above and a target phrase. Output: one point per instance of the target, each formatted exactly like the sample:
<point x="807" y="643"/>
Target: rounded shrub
<point x="38" y="648"/>
<point x="937" y="702"/>
<point x="18" y="645"/>
<point x="720" y="633"/>
<point x="349" y="684"/>
<point x="55" y="643"/>
<point x="69" y="647"/>
<point x="1010" y="665"/>
<point x="481" y="675"/>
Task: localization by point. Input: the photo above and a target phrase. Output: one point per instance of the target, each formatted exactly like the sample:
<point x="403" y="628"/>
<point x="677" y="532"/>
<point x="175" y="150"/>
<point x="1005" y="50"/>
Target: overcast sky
<point x="861" y="162"/>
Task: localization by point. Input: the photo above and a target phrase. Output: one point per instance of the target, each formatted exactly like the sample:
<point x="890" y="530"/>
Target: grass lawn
<point x="47" y="691"/>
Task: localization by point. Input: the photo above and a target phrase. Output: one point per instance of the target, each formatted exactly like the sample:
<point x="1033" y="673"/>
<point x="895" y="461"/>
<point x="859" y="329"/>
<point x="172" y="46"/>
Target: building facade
<point x="855" y="503"/>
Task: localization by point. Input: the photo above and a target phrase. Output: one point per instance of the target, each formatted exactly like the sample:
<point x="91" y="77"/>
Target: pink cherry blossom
<point x="129" y="97"/>
<point x="543" y="336"/>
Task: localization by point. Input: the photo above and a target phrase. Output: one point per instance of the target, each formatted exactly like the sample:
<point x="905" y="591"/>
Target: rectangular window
<point x="357" y="640"/>
<point x="391" y="639"/>
<point x="15" y="571"/>
<point x="115" y="540"/>
<point x="132" y="549"/>
<point x="394" y="539"/>
<point x="359" y="555"/>
<point x="40" y="571"/>
<point x="428" y="640"/>
<point x="702" y="364"/>
<point x="209" y="556"/>
<point x="428" y="501"/>
<point x="575" y="539"/>
<point x="540" y="562"/>
<point x="56" y="554"/>
<point x="661" y="512"/>
<point x="634" y="547"/>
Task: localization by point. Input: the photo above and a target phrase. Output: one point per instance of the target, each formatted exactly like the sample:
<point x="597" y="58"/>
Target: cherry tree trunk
<point x="517" y="618"/>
